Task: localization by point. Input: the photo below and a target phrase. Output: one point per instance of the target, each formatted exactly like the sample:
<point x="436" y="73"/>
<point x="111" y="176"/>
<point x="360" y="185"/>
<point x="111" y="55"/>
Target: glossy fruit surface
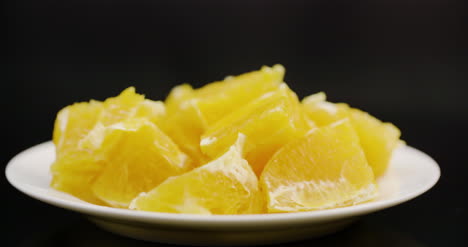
<point x="226" y="185"/>
<point x="325" y="169"/>
<point x="268" y="122"/>
<point x="377" y="138"/>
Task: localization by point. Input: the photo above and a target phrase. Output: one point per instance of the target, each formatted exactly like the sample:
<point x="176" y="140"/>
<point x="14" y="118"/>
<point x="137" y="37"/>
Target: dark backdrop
<point x="403" y="61"/>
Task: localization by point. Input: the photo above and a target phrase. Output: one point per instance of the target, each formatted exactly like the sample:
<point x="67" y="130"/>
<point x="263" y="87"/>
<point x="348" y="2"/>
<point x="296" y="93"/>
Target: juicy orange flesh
<point x="268" y="122"/>
<point x="326" y="168"/>
<point x="73" y="123"/>
<point x="226" y="185"/>
<point x="184" y="123"/>
<point x="77" y="132"/>
<point x="128" y="151"/>
<point x="75" y="172"/>
<point x="191" y="112"/>
<point x="217" y="99"/>
<point x="138" y="157"/>
<point x="377" y="138"/>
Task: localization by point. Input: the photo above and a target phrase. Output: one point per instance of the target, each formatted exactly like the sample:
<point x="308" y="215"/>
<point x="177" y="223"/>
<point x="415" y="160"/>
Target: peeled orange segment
<point x="74" y="173"/>
<point x="76" y="134"/>
<point x="325" y="169"/>
<point x="178" y="95"/>
<point x="323" y="112"/>
<point x="182" y="98"/>
<point x="242" y="145"/>
<point x="226" y="185"/>
<point x="130" y="104"/>
<point x="73" y="123"/>
<point x="184" y="123"/>
<point x="138" y="156"/>
<point x="268" y="122"/>
<point x="120" y="107"/>
<point x="377" y="139"/>
<point x="74" y="170"/>
<point x="218" y="99"/>
<point x="155" y="111"/>
<point x="191" y="112"/>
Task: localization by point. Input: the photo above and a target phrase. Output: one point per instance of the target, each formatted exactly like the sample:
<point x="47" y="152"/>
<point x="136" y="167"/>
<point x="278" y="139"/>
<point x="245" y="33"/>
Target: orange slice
<point x="323" y="112"/>
<point x="325" y="169"/>
<point x="74" y="170"/>
<point x="269" y="122"/>
<point x="73" y="123"/>
<point x="137" y="156"/>
<point x="217" y="99"/>
<point x="184" y="123"/>
<point x="226" y="185"/>
<point x="76" y="166"/>
<point x="74" y="173"/>
<point x="378" y="139"/>
<point x="191" y="112"/>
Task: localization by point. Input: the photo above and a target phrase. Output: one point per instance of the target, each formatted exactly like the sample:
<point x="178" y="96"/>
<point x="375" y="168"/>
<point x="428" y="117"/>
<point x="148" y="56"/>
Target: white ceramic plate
<point x="410" y="174"/>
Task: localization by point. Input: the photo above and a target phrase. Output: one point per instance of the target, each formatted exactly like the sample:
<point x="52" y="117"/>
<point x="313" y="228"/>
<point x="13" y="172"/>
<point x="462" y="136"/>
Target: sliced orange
<point x="226" y="185"/>
<point x="155" y="111"/>
<point x="121" y="107"/>
<point x="269" y="122"/>
<point x="218" y="99"/>
<point x="325" y="169"/>
<point x="378" y="139"/>
<point x="73" y="123"/>
<point x="77" y="134"/>
<point x="203" y="151"/>
<point x="184" y="123"/>
<point x="74" y="172"/>
<point x="137" y="156"/>
<point x="190" y="112"/>
<point x="323" y="112"/>
<point x="130" y="104"/>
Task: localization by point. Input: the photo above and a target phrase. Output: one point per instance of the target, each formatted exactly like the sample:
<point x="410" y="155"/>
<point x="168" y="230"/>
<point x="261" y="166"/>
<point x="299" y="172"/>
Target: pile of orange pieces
<point x="244" y="145"/>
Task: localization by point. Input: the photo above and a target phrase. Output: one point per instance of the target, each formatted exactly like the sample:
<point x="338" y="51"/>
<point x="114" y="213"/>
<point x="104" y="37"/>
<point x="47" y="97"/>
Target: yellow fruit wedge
<point x="184" y="123"/>
<point x="190" y="112"/>
<point x="242" y="145"/>
<point x="226" y="185"/>
<point x="74" y="170"/>
<point x="378" y="139"/>
<point x="76" y="131"/>
<point x="323" y="112"/>
<point x="121" y="107"/>
<point x="130" y="104"/>
<point x="74" y="173"/>
<point x="137" y="156"/>
<point x="155" y="111"/>
<point x="325" y="169"/>
<point x="217" y="99"/>
<point x="73" y="123"/>
<point x="269" y="122"/>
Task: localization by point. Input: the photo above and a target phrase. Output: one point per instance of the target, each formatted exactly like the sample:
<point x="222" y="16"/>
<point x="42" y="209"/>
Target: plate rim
<point x="182" y="220"/>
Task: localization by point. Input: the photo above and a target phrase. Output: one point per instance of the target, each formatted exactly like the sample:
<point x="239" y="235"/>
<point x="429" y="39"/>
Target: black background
<point x="403" y="61"/>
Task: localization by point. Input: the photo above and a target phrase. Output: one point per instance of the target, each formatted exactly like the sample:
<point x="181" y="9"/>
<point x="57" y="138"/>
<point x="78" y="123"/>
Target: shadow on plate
<point x="85" y="234"/>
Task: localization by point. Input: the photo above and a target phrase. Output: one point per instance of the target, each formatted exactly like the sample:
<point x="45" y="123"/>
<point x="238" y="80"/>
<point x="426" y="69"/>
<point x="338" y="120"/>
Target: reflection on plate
<point x="410" y="174"/>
